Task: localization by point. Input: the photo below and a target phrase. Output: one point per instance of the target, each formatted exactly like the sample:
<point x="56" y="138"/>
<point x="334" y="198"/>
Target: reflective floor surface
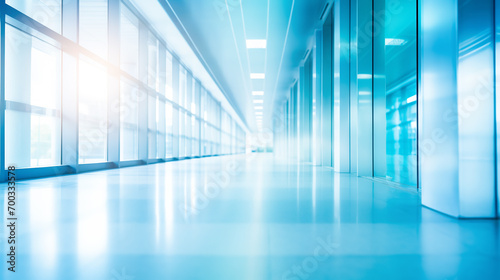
<point x="238" y="217"/>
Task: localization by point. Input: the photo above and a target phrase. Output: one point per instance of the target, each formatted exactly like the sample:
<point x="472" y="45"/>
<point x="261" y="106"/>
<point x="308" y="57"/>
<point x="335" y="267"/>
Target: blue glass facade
<point x="412" y="87"/>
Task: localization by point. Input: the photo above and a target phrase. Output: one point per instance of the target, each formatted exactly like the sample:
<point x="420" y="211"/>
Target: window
<point x="160" y="120"/>
<point x="196" y="137"/>
<point x="93" y="88"/>
<point x="169" y="93"/>
<point x="182" y="134"/>
<point x="32" y="101"/>
<point x="153" y="73"/>
<point x="129" y="121"/>
<point x="129" y="42"/>
<point x="152" y="130"/>
<point x="187" y="131"/>
<point x="93" y="22"/>
<point x="182" y="86"/>
<point x="176" y="116"/>
<point x="169" y="130"/>
<point x="46" y="12"/>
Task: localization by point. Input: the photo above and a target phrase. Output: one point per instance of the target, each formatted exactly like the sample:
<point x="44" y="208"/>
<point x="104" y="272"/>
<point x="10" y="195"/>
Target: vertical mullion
<point x="144" y="92"/>
<point x="114" y="81"/>
<point x="69" y="87"/>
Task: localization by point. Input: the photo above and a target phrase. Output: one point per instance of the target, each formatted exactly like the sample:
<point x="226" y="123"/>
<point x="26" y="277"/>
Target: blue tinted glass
<point x="401" y="90"/>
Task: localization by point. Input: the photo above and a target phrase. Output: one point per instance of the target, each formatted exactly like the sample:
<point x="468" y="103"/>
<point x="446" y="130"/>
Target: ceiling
<point x="219" y="30"/>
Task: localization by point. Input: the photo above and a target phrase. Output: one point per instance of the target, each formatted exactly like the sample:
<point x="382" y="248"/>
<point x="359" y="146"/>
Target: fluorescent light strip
<point x="257" y="76"/>
<point x="258" y="101"/>
<point x="259" y="113"/>
<point x="259" y="108"/>
<point x="256" y="44"/>
<point x="256" y="93"/>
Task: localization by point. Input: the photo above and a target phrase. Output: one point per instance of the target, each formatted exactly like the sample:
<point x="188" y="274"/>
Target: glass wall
<point x="32" y="101"/>
<point x="99" y="101"/>
<point x="372" y="120"/>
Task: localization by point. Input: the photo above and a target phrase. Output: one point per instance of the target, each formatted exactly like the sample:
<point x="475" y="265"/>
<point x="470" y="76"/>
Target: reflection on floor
<point x="239" y="217"/>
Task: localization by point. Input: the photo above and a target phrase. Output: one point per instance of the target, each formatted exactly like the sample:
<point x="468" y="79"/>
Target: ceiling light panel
<point x="257" y="76"/>
<point x="256" y="44"/>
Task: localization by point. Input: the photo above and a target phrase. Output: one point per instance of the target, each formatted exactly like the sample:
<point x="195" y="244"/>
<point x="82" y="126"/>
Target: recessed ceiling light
<point x="259" y="108"/>
<point x="259" y="113"/>
<point x="256" y="44"/>
<point x="258" y="101"/>
<point x="257" y="92"/>
<point x="258" y="76"/>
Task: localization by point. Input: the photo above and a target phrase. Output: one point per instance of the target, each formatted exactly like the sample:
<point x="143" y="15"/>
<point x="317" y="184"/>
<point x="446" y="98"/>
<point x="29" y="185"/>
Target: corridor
<point x="240" y="217"/>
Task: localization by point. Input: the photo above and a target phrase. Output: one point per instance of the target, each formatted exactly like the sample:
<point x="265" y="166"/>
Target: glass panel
<point x="129" y="42"/>
<point x="153" y="79"/>
<point x="33" y="101"/>
<point x="46" y="12"/>
<point x="160" y="120"/>
<point x="182" y="86"/>
<point x="175" y="132"/>
<point x="152" y="127"/>
<point x="169" y="91"/>
<point x="94" y="26"/>
<point x="169" y="123"/>
<point x="196" y="137"/>
<point x="188" y="131"/>
<point x="93" y="88"/>
<point x="129" y="118"/>
<point x="182" y="134"/>
<point x="401" y="91"/>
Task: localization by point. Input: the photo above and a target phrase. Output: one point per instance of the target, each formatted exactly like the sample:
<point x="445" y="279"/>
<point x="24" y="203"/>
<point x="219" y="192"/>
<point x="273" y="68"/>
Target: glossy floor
<point x="239" y="217"/>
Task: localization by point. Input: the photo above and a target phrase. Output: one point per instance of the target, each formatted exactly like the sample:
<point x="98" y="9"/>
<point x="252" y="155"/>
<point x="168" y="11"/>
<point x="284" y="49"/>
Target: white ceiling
<point x="218" y="30"/>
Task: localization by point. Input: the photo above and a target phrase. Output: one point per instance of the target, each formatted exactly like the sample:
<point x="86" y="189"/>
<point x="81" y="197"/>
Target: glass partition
<point x="401" y="90"/>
